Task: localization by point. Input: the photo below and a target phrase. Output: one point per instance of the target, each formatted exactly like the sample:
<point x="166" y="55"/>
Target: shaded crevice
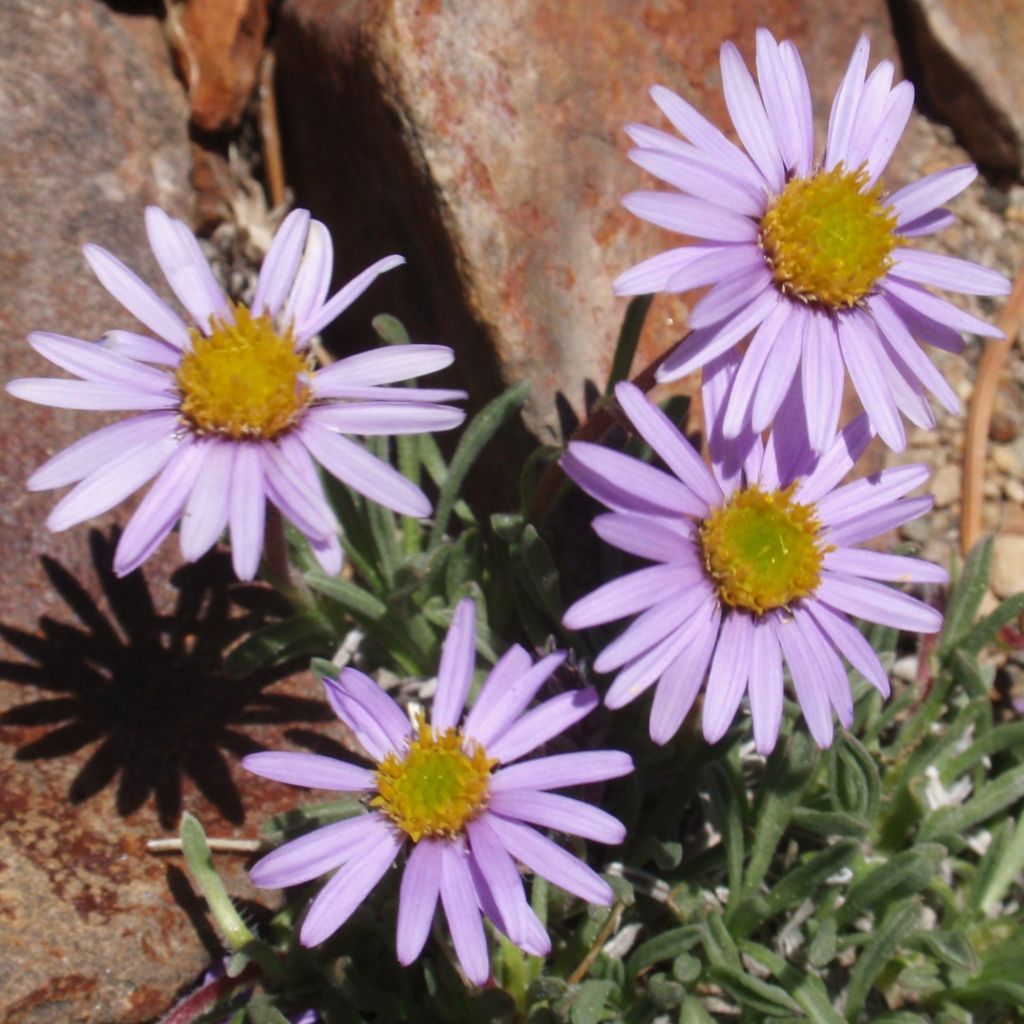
<point x="353" y="162"/>
<point x="946" y="92"/>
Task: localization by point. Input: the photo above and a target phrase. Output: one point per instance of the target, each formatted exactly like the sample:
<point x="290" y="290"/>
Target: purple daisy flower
<point x="231" y="410"/>
<point x="807" y="254"/>
<point x="438" y="787"/>
<point x="756" y="564"/>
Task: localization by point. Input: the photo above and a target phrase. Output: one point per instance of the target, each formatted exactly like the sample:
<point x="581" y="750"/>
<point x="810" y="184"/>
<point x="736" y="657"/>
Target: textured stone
<point x="219" y="45"/>
<point x="113" y="715"/>
<point x="1008" y="565"/>
<point x="485" y="142"/>
<point x="968" y="56"/>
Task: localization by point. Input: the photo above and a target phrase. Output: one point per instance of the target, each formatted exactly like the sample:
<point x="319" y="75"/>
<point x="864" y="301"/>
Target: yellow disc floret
<point x="436" y="786"/>
<point x="245" y="380"/>
<point x="761" y="549"/>
<point x="828" y="237"/>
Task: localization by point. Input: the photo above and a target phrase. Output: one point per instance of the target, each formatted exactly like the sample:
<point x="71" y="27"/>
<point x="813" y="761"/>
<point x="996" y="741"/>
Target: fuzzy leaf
<point x="629" y="338"/>
<point x="966" y="597"/>
<point x="876" y="952"/>
<point x="588" y="1005"/>
<point x="304" y="634"/>
<point x="952" y="823"/>
<point x="474" y="437"/>
<point x="759" y="995"/>
<point x="905" y="873"/>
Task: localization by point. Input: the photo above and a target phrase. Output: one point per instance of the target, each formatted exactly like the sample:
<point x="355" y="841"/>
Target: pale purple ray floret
<point x="216" y="468"/>
<point x="690" y="630"/>
<point x="469" y="865"/>
<point x="803" y="315"/>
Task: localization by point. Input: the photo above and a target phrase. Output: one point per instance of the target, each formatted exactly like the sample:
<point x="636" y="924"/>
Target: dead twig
<point x="979" y="416"/>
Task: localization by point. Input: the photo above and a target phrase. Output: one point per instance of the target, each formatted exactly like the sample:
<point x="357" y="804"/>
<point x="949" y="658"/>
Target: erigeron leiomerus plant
<point x="771" y="870"/>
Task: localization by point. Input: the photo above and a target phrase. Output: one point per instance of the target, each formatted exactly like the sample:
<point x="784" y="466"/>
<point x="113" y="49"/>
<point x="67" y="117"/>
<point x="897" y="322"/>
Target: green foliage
<point x="880" y="880"/>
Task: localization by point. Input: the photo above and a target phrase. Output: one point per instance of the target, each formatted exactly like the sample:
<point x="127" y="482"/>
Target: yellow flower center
<point x="761" y="549"/>
<point x="828" y="239"/>
<point x="436" y="786"/>
<point x="245" y="380"/>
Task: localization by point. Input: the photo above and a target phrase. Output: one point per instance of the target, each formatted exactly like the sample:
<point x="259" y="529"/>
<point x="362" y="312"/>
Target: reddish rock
<point x="219" y="45"/>
<point x="113" y="715"/>
<point x="486" y="143"/>
<point x="968" y="54"/>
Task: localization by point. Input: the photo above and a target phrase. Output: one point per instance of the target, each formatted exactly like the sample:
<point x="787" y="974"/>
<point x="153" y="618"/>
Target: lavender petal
<point x="877" y="603"/>
<point x="384" y="711"/>
<point x="455" y="674"/>
<point x="844" y="106"/>
<point x="500" y="873"/>
<point x="138" y="298"/>
<point x="318" y="852"/>
<point x="513" y="664"/>
<point x="92" y="362"/>
<point x="89" y="453"/>
<point x="317" y="771"/>
<point x="185" y="267"/>
<point x="458" y="896"/>
<point x="626" y="484"/>
<point x="350" y="886"/>
<point x="364" y="472"/>
<point x="728" y="675"/>
<point x="247" y="506"/>
<point x="206" y="511"/>
<point x="513" y="701"/>
<point x="550" y="861"/>
<point x="850" y="642"/>
<point x="810" y="691"/>
<point x="550" y="810"/>
<point x="765" y="687"/>
<point x="926" y="194"/>
<point x="542" y="723"/>
<point x="280" y="265"/>
<point x="159" y="510"/>
<point x="666" y="439"/>
<point x="417" y="899"/>
<point x="748" y="115"/>
<point x="681" y="681"/>
<point x="110" y="484"/>
<point x="633" y="592"/>
<point x="101" y="396"/>
<point x="344" y="298"/>
<point x="686" y="215"/>
<point x="312" y="279"/>
<point x="561" y="770"/>
<point x="375" y="418"/>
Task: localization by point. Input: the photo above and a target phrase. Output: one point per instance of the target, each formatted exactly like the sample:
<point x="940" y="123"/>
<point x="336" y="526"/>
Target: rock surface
<point x="486" y="143"/>
<point x="969" y="56"/>
<point x="219" y="47"/>
<point x="113" y="716"/>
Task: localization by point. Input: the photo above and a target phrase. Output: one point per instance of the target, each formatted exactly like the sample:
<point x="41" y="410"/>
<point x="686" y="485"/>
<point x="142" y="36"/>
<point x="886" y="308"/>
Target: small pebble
<point x="945" y="485"/>
<point x="1014" y="489"/>
<point x="1005" y="457"/>
<point x="1008" y="565"/>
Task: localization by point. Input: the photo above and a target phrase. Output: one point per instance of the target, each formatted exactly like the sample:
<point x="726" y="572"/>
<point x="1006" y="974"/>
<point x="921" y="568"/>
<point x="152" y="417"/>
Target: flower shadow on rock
<point x="147" y="688"/>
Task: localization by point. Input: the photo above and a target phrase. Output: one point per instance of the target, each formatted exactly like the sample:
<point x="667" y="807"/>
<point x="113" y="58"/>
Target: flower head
<point x="756" y="564"/>
<point x="810" y="255"/>
<point x="231" y="408"/>
<point x="452" y="793"/>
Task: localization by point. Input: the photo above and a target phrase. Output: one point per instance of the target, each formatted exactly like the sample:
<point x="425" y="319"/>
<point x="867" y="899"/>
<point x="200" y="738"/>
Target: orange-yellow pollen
<point x="761" y="549"/>
<point x="828" y="238"/>
<point x="437" y="785"/>
<point x="245" y="380"/>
